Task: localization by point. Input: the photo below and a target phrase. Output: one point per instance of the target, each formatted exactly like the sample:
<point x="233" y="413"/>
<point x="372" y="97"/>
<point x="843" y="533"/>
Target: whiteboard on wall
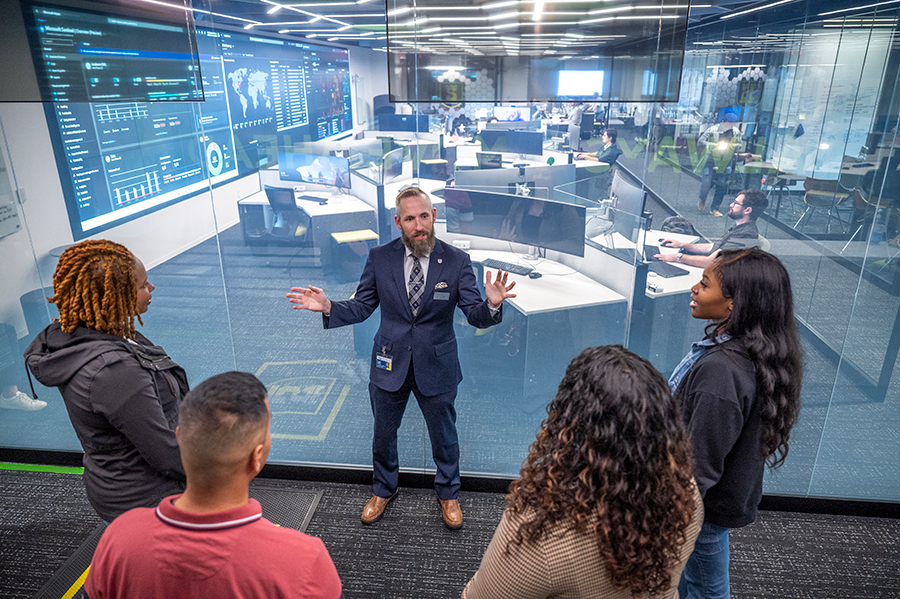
<point x="9" y="212"/>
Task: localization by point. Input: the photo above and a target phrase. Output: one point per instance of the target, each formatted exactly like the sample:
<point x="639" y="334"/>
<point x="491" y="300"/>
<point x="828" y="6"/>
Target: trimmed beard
<point x="417" y="248"/>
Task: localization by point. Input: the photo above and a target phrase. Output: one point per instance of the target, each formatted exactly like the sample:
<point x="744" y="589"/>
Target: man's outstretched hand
<point x="497" y="290"/>
<point x="310" y="298"/>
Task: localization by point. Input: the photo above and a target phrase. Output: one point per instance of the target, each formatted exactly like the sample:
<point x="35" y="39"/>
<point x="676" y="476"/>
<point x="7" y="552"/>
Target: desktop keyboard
<point x="507" y="266"/>
<point x="309" y="198"/>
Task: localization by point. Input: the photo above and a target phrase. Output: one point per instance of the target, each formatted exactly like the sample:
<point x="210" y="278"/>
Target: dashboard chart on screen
<point x="121" y="159"/>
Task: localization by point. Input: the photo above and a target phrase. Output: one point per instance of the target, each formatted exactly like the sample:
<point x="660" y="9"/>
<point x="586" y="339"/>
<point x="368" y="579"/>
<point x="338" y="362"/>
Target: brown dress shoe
<point x="374" y="509"/>
<point x="452" y="513"/>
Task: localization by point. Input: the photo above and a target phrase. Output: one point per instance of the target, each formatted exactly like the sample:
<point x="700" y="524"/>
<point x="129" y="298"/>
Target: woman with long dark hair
<point x="739" y="389"/>
<point x="121" y="391"/>
<point x="605" y="505"/>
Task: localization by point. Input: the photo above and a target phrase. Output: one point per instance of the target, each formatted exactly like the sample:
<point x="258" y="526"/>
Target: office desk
<point x="662" y="328"/>
<point x="549" y="322"/>
<point x="472" y="163"/>
<point x="429" y="186"/>
<point x="344" y="213"/>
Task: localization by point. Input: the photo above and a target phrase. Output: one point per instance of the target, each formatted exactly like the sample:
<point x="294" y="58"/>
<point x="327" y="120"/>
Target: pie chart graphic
<point x="214" y="158"/>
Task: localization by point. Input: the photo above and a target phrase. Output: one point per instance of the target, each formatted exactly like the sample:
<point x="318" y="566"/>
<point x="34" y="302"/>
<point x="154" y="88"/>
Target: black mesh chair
<point x="290" y="223"/>
<point x="824" y="193"/>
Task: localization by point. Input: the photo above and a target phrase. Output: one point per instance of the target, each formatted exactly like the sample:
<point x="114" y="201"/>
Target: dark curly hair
<point x="762" y="319"/>
<point x="614" y="445"/>
<point x="94" y="286"/>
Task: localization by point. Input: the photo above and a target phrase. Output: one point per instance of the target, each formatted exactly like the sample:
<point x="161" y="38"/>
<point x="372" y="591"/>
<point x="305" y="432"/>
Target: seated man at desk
<point x="610" y="151"/>
<point x="745" y="209"/>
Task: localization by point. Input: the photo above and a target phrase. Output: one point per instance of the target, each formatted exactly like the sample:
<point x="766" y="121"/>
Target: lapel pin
<point x="440" y="260"/>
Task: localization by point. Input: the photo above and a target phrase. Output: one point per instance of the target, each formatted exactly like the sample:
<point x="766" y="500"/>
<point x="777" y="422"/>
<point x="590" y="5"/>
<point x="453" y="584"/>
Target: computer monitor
<point x="542" y="180"/>
<point x="514" y="126"/>
<point x="512" y="113"/>
<point x="487" y="160"/>
<point x="392" y="165"/>
<point x="309" y="168"/>
<point x="732" y="110"/>
<point x="403" y="122"/>
<point x="538" y="222"/>
<point x="516" y="142"/>
<point x="628" y="204"/>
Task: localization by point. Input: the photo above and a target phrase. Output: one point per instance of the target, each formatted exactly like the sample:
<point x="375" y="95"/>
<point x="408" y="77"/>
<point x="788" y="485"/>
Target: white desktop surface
<point x="506" y="163"/>
<point x="345" y="204"/>
<point x="429" y="186"/>
<point x="590" y="163"/>
<point x="664" y="286"/>
<point x="559" y="288"/>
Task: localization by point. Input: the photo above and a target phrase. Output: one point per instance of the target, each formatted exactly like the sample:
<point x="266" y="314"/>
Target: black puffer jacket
<point x="123" y="400"/>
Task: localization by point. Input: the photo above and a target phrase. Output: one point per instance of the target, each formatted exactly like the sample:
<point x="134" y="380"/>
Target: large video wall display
<point x="119" y="160"/>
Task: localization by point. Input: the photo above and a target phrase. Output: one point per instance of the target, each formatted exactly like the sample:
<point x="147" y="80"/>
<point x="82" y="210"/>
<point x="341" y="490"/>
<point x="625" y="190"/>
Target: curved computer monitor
<point x="514" y="126"/>
<point x="515" y="142"/>
<point x="309" y="168"/>
<point x="537" y="222"/>
<point x="544" y="180"/>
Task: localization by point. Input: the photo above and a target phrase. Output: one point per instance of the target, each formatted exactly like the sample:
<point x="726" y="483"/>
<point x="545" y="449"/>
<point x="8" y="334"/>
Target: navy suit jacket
<point x="428" y="339"/>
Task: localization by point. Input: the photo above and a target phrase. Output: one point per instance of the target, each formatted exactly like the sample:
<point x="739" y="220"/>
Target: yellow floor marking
<point x="77" y="586"/>
<point x="325" y="427"/>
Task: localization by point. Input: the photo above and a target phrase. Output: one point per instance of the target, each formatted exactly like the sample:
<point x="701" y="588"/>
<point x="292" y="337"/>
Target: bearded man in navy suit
<point x="418" y="281"/>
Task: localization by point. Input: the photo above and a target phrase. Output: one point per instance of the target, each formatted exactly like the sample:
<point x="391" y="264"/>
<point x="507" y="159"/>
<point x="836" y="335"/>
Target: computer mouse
<point x="534" y="275"/>
<point x="665" y="243"/>
<point x="652" y="274"/>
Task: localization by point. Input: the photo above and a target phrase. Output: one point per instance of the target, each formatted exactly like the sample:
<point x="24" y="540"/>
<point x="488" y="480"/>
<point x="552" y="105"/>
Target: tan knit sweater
<point x="563" y="564"/>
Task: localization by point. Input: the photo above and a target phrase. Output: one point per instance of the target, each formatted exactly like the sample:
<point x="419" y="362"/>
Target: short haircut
<point x="754" y="198"/>
<point x="612" y="133"/>
<point x="410" y="192"/>
<point x="220" y="415"/>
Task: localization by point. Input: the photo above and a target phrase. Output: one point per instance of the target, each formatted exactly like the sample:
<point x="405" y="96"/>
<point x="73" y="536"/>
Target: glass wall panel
<point x="297" y="156"/>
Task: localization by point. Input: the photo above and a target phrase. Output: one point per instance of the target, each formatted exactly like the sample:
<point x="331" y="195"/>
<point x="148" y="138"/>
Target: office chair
<point x="289" y="223"/>
<point x="823" y="193"/>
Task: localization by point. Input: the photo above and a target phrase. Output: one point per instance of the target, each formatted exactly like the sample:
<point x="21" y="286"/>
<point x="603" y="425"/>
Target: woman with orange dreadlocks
<point x="121" y="391"/>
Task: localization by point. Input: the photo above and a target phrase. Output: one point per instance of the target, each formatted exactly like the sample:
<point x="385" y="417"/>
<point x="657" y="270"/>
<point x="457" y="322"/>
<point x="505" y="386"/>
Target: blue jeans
<point x="705" y="575"/>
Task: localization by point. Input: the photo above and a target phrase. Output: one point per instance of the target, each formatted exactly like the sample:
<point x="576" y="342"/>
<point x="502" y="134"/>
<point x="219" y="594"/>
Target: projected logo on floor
<point x="302" y="403"/>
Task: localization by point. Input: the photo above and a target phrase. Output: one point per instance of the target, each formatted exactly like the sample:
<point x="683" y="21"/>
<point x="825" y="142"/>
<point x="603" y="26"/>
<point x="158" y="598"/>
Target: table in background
<point x="549" y="322"/>
<point x="340" y="213"/>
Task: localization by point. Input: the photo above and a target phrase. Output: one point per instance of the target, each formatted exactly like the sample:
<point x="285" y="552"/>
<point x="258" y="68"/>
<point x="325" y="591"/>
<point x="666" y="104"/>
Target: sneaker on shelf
<point x="20" y="401"/>
<point x="701" y="205"/>
<point x="715" y="213"/>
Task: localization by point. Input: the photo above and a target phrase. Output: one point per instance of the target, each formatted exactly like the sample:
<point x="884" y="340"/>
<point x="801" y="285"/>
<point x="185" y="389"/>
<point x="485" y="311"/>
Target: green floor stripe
<point x="41" y="468"/>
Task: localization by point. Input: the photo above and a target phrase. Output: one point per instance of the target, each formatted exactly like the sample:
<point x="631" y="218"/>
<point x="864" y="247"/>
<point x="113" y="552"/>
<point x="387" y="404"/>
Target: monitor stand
<point x="534" y="253"/>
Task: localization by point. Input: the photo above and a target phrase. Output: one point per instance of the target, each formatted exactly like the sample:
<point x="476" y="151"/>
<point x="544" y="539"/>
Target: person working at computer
<point x="744" y="210"/>
<point x="418" y="281"/>
<point x="212" y="540"/>
<point x="610" y="151"/>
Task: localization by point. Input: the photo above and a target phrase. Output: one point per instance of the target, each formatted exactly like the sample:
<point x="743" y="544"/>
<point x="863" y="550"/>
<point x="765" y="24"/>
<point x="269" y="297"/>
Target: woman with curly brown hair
<point x="739" y="389"/>
<point x="121" y="391"/>
<point x="605" y="505"/>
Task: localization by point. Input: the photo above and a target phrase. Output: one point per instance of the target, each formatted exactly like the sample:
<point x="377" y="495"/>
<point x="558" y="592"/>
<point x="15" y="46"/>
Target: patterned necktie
<point x="416" y="286"/>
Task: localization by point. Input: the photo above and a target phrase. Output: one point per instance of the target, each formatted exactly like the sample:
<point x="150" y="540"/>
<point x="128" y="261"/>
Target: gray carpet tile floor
<point x="409" y="554"/>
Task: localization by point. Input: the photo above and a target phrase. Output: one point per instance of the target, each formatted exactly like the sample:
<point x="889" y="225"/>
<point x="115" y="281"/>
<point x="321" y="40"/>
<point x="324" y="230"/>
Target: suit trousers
<point x="440" y="417"/>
